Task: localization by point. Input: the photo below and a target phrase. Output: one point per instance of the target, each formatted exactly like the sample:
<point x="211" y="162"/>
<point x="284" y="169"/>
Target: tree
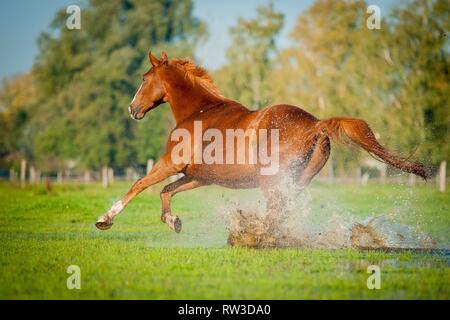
<point x="249" y="56"/>
<point x="337" y="66"/>
<point x="17" y="106"/>
<point x="421" y="55"/>
<point x="86" y="79"/>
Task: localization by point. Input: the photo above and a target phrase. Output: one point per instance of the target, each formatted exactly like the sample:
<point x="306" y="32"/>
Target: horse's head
<point x="152" y="92"/>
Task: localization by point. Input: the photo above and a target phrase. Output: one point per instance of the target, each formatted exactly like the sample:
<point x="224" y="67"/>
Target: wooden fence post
<point x="128" y="174"/>
<point x="32" y="176"/>
<point x="358" y="174"/>
<point x="412" y="179"/>
<point x="364" y="179"/>
<point x="12" y="175"/>
<point x="48" y="184"/>
<point x="383" y="169"/>
<point x="149" y="165"/>
<point x="59" y="177"/>
<point x="87" y="176"/>
<point x="105" y="176"/>
<point x="23" y="172"/>
<point x="110" y="175"/>
<point x="442" y="176"/>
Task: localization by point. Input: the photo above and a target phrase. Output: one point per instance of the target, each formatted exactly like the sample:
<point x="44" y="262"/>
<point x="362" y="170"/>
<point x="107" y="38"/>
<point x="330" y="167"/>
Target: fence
<point x="107" y="176"/>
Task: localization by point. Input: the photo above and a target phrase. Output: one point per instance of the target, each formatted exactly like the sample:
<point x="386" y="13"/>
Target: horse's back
<point x="291" y="121"/>
<point x="286" y="112"/>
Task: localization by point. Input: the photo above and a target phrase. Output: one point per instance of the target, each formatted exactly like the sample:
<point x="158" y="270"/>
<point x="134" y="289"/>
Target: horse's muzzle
<point x="136" y="112"/>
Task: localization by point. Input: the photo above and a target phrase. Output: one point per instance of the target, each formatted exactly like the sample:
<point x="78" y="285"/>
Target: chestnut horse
<point x="304" y="141"/>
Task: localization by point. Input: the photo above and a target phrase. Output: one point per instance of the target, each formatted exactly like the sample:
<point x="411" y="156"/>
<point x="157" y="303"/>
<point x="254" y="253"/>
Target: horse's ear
<point x="164" y="57"/>
<point x="153" y="60"/>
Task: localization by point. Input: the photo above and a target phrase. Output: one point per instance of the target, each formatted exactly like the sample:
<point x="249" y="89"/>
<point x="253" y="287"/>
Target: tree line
<point x="72" y="106"/>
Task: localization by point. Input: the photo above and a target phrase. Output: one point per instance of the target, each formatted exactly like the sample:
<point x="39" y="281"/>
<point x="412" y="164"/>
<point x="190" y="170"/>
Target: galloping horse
<point x="303" y="140"/>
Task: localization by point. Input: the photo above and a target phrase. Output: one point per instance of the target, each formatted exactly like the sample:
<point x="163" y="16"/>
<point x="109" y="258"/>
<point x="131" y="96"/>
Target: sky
<point x="21" y="22"/>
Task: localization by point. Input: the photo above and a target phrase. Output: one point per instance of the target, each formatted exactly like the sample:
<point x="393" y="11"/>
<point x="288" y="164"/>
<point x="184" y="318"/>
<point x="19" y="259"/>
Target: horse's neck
<point x="186" y="99"/>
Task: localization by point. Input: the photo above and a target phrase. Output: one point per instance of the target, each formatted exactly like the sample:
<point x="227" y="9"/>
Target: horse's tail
<point x="359" y="132"/>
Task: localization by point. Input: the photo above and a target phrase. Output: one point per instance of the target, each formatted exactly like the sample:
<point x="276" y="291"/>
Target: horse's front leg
<point x="161" y="170"/>
<point x="183" y="184"/>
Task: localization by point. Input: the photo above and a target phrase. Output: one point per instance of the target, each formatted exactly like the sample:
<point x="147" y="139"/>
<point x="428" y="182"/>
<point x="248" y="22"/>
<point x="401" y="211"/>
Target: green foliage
<point x="17" y="101"/>
<point x="395" y="77"/>
<point x="332" y="69"/>
<point x="85" y="80"/>
<point x="73" y="105"/>
<point x="420" y="42"/>
<point x="253" y="43"/>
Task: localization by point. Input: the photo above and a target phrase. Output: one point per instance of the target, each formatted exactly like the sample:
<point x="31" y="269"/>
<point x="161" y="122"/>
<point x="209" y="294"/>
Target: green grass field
<point x="42" y="233"/>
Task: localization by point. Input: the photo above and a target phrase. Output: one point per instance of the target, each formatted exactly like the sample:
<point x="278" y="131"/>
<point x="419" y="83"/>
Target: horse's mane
<point x="196" y="73"/>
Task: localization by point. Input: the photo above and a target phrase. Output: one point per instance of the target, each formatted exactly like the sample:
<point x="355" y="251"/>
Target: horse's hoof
<point x="177" y="225"/>
<point x="173" y="222"/>
<point x="104" y="223"/>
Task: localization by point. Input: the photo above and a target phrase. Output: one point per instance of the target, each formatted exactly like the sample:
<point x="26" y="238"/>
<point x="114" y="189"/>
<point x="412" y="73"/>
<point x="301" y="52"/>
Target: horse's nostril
<point x="134" y="111"/>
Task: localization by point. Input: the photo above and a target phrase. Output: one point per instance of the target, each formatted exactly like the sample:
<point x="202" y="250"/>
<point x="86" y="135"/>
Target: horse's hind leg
<point x="183" y="184"/>
<point x="278" y="189"/>
<point x="318" y="159"/>
<point x="276" y="200"/>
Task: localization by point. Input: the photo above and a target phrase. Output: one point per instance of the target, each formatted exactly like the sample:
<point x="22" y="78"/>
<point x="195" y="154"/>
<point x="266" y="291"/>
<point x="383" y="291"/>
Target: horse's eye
<point x="143" y="79"/>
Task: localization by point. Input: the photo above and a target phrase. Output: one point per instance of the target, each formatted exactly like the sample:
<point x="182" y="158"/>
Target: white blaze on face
<point x="134" y="98"/>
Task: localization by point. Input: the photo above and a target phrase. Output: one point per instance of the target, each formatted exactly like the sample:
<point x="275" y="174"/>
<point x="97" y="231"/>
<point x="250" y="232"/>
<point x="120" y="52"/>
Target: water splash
<point x="300" y="227"/>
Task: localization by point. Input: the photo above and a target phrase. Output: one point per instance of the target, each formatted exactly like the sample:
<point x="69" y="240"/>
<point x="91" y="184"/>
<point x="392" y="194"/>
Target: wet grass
<point x="42" y="233"/>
